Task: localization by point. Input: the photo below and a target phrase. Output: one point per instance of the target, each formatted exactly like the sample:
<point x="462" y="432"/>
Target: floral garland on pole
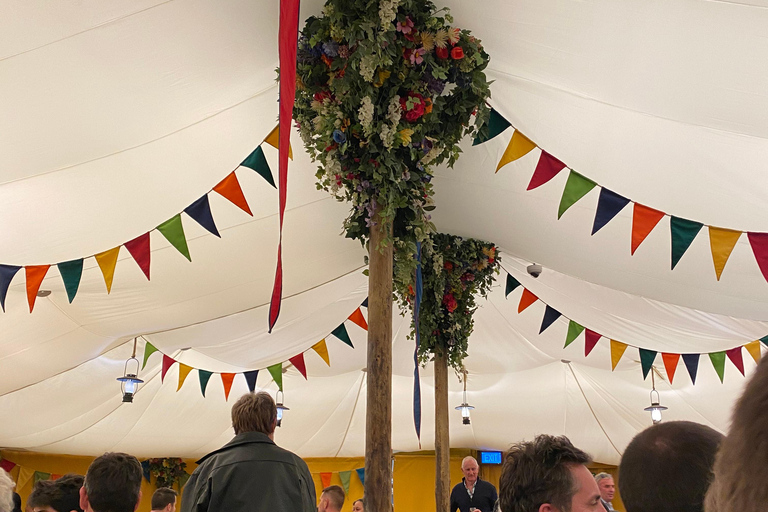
<point x="168" y="471"/>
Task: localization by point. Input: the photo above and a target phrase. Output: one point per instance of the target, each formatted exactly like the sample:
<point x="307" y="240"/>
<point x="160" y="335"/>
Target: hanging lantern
<point x="129" y="382"/>
<point x="465" y="407"/>
<point x="655" y="408"/>
<point x="279" y="397"/>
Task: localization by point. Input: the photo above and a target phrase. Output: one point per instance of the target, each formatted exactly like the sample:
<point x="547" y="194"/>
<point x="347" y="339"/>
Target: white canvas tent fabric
<point x="116" y="116"/>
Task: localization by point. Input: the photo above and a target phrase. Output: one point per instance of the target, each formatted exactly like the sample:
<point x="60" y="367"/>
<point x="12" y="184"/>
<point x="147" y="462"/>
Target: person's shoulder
<point x="457" y="487"/>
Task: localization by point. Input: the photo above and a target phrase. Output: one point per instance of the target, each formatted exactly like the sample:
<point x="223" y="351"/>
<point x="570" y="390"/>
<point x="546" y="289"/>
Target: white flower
<point x="394" y="111"/>
<point x="388" y="13"/>
<point x="365" y="115"/>
<point x="367" y="67"/>
<point x="387" y="135"/>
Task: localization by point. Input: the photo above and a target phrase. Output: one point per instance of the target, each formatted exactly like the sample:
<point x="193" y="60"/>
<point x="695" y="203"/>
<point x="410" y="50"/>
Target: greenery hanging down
<point x="455" y="271"/>
<point x="169" y="471"/>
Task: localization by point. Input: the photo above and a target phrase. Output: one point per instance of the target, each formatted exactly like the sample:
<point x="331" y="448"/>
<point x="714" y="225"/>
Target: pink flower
<point x="405" y="28"/>
<point x="416" y="56"/>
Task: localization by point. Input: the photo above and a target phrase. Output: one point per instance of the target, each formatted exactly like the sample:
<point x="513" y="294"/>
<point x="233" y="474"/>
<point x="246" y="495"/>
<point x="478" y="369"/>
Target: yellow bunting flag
<point x="183" y="372"/>
<point x="518" y="147"/>
<point x="322" y="350"/>
<point x="753" y="348"/>
<point x="273" y="139"/>
<point x="25" y="476"/>
<point x="617" y="350"/>
<point x="722" y="241"/>
<point x="107" y="261"/>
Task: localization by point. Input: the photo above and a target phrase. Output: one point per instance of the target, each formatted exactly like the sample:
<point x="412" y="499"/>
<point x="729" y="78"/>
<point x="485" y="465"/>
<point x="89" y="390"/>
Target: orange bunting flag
<point x="590" y="340"/>
<point x="358" y="318"/>
<point x="326" y="478"/>
<point x="183" y="372"/>
<point x="526" y="299"/>
<point x="753" y="347"/>
<point x="322" y="350"/>
<point x="229" y="187"/>
<point x="670" y="364"/>
<point x="617" y="350"/>
<point x="107" y="261"/>
<point x="35" y="276"/>
<point x="273" y="139"/>
<point x="298" y="362"/>
<point x="226" y="379"/>
<point x="644" y="219"/>
<point x="722" y="241"/>
<point x="518" y="147"/>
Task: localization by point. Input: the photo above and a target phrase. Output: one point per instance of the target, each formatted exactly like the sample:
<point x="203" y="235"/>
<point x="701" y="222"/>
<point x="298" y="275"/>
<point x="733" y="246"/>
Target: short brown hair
<point x="335" y="495"/>
<point x="538" y="472"/>
<point x="61" y="494"/>
<point x="163" y="497"/>
<point x="113" y="483"/>
<point x="254" y="412"/>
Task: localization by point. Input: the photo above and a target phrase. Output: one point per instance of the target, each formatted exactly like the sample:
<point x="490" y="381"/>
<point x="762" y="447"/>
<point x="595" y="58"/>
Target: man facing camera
<point x="472" y="494"/>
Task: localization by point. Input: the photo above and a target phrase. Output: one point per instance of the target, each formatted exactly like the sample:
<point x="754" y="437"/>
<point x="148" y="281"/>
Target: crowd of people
<point x="677" y="466"/>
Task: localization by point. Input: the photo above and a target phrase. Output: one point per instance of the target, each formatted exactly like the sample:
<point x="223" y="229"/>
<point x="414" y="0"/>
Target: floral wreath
<point x="168" y="471"/>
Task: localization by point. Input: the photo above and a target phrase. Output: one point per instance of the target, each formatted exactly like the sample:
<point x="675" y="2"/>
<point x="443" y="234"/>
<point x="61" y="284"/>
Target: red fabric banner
<point x="735" y="356"/>
<point x="590" y="340"/>
<point x="644" y="219"/>
<point x="139" y="249"/>
<point x="167" y="363"/>
<point x="547" y="168"/>
<point x="298" y="362"/>
<point x="759" y="243"/>
<point x="7" y="465"/>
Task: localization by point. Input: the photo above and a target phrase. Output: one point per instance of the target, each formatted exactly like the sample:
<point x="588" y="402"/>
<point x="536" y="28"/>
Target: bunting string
<point x="647" y="356"/>
<point x="345" y="477"/>
<point x="722" y="241"/>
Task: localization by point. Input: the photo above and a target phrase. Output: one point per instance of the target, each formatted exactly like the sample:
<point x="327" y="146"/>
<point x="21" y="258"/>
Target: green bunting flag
<point x="496" y="125"/>
<point x="40" y="475"/>
<point x="683" y="233"/>
<point x="574" y="330"/>
<point x="71" y="272"/>
<point x="764" y="340"/>
<point x="646" y="360"/>
<point x="344" y="476"/>
<point x="149" y="349"/>
<point x="258" y="162"/>
<point x="512" y="283"/>
<point x="173" y="230"/>
<point x="204" y="376"/>
<point x="718" y="361"/>
<point x="576" y="187"/>
<point x="276" y="370"/>
<point x="341" y="333"/>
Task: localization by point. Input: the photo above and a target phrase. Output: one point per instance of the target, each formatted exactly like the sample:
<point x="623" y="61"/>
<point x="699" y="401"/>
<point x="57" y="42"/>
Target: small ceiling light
<point x="129" y="382"/>
<point x="465" y="407"/>
<point x="43" y="293"/>
<point x="655" y="408"/>
<point x="279" y="397"/>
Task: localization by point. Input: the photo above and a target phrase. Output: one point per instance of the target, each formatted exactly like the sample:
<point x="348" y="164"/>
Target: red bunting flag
<point x="227" y="379"/>
<point x="526" y="299"/>
<point x="229" y="188"/>
<point x="326" y="479"/>
<point x="358" y="318"/>
<point x="590" y="340"/>
<point x="735" y="356"/>
<point x="547" y="168"/>
<point x="55" y="476"/>
<point x="139" y="249"/>
<point x="298" y="362"/>
<point x="7" y="465"/>
<point x="670" y="364"/>
<point x="167" y="363"/>
<point x="644" y="219"/>
<point x="35" y="276"/>
<point x="759" y="243"/>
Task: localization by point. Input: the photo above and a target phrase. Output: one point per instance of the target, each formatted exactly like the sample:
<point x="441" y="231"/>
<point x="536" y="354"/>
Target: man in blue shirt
<point x="472" y="494"/>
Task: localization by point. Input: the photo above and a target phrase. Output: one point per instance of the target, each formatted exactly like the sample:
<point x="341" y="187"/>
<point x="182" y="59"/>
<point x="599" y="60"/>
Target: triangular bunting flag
<point x="526" y="299"/>
<point x="753" y="347"/>
<point x="617" y="350"/>
<point x="361" y="475"/>
<point x="670" y="364"/>
<point x="6" y="276"/>
<point x="574" y="330"/>
<point x="550" y="315"/>
<point x="683" y="233"/>
<point x="576" y="187"/>
<point x="341" y="333"/>
<point x="644" y="219"/>
<point x="518" y="147"/>
<point x="139" y="249"/>
<point x="590" y="340"/>
<point x="646" y="360"/>
<point x="365" y="303"/>
<point x="7" y="465"/>
<point x="547" y="168"/>
<point x="107" y="261"/>
<point x="183" y="372"/>
<point x="54" y="476"/>
<point x="298" y="362"/>
<point x="273" y="139"/>
<point x="40" y="475"/>
<point x="145" y="470"/>
<point x="322" y="350"/>
<point x="71" y="272"/>
<point x="734" y="355"/>
<point x="358" y="318"/>
<point x="496" y="125"/>
<point x="200" y="211"/>
<point x="345" y="476"/>
<point x="167" y="363"/>
<point x="512" y="283"/>
<point x="149" y="349"/>
<point x="722" y="241"/>
<point x="250" y="379"/>
<point x="204" y="376"/>
<point x="608" y="206"/>
<point x="226" y="380"/>
<point x="35" y="275"/>
<point x="276" y="370"/>
<point x="692" y="365"/>
<point x="764" y="340"/>
<point x="25" y="476"/>
<point x="325" y="478"/>
<point x="229" y="187"/>
<point x="718" y="361"/>
<point x="173" y="231"/>
<point x="258" y="163"/>
<point x="759" y="243"/>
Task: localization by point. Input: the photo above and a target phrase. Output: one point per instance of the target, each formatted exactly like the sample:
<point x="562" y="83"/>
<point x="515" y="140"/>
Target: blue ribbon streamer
<point x="416" y="382"/>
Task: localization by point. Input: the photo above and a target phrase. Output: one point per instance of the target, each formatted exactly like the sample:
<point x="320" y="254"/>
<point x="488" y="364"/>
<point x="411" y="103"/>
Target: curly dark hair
<point x="538" y="472"/>
<point x="61" y="494"/>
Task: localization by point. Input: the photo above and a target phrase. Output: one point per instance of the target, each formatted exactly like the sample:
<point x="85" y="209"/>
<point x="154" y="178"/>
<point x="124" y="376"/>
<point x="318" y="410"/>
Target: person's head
<point x="62" y="495"/>
<point x="6" y="492"/>
<point x="331" y="499"/>
<point x="164" y="499"/>
<point x="606" y="486"/>
<point x="547" y="474"/>
<point x="112" y="484"/>
<point x="358" y="505"/>
<point x="668" y="467"/>
<point x="16" y="502"/>
<point x="469" y="467"/>
<point x="255" y="412"/>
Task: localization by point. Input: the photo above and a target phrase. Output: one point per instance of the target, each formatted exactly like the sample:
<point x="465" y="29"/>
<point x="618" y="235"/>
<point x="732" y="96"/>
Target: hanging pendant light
<point x="129" y="382"/>
<point x="465" y="407"/>
<point x="279" y="397"/>
<point x="655" y="408"/>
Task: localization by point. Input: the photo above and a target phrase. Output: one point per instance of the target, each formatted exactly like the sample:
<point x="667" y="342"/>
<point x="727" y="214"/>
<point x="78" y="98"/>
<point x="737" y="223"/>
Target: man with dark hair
<point x="668" y="467"/>
<point x="62" y="495"/>
<point x="472" y="493"/>
<point x="112" y="484"/>
<point x="547" y="474"/>
<point x="251" y="473"/>
<point x="331" y="499"/>
<point x="164" y="500"/>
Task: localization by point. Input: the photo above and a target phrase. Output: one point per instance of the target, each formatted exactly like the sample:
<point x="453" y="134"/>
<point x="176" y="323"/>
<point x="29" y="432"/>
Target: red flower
<point x="419" y="106"/>
<point x="321" y="95"/>
<point x="450" y="302"/>
<point x="442" y="53"/>
<point x="350" y="176"/>
<point x="457" y="53"/>
<point x="448" y="265"/>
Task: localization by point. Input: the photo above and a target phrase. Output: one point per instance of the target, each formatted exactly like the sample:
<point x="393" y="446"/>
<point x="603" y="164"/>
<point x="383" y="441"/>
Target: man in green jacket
<point x="251" y="473"/>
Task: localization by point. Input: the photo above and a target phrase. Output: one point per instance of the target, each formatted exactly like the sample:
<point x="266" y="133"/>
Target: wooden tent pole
<point x="442" y="437"/>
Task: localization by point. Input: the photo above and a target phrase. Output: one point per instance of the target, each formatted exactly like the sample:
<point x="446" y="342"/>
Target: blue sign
<point x="490" y="457"/>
